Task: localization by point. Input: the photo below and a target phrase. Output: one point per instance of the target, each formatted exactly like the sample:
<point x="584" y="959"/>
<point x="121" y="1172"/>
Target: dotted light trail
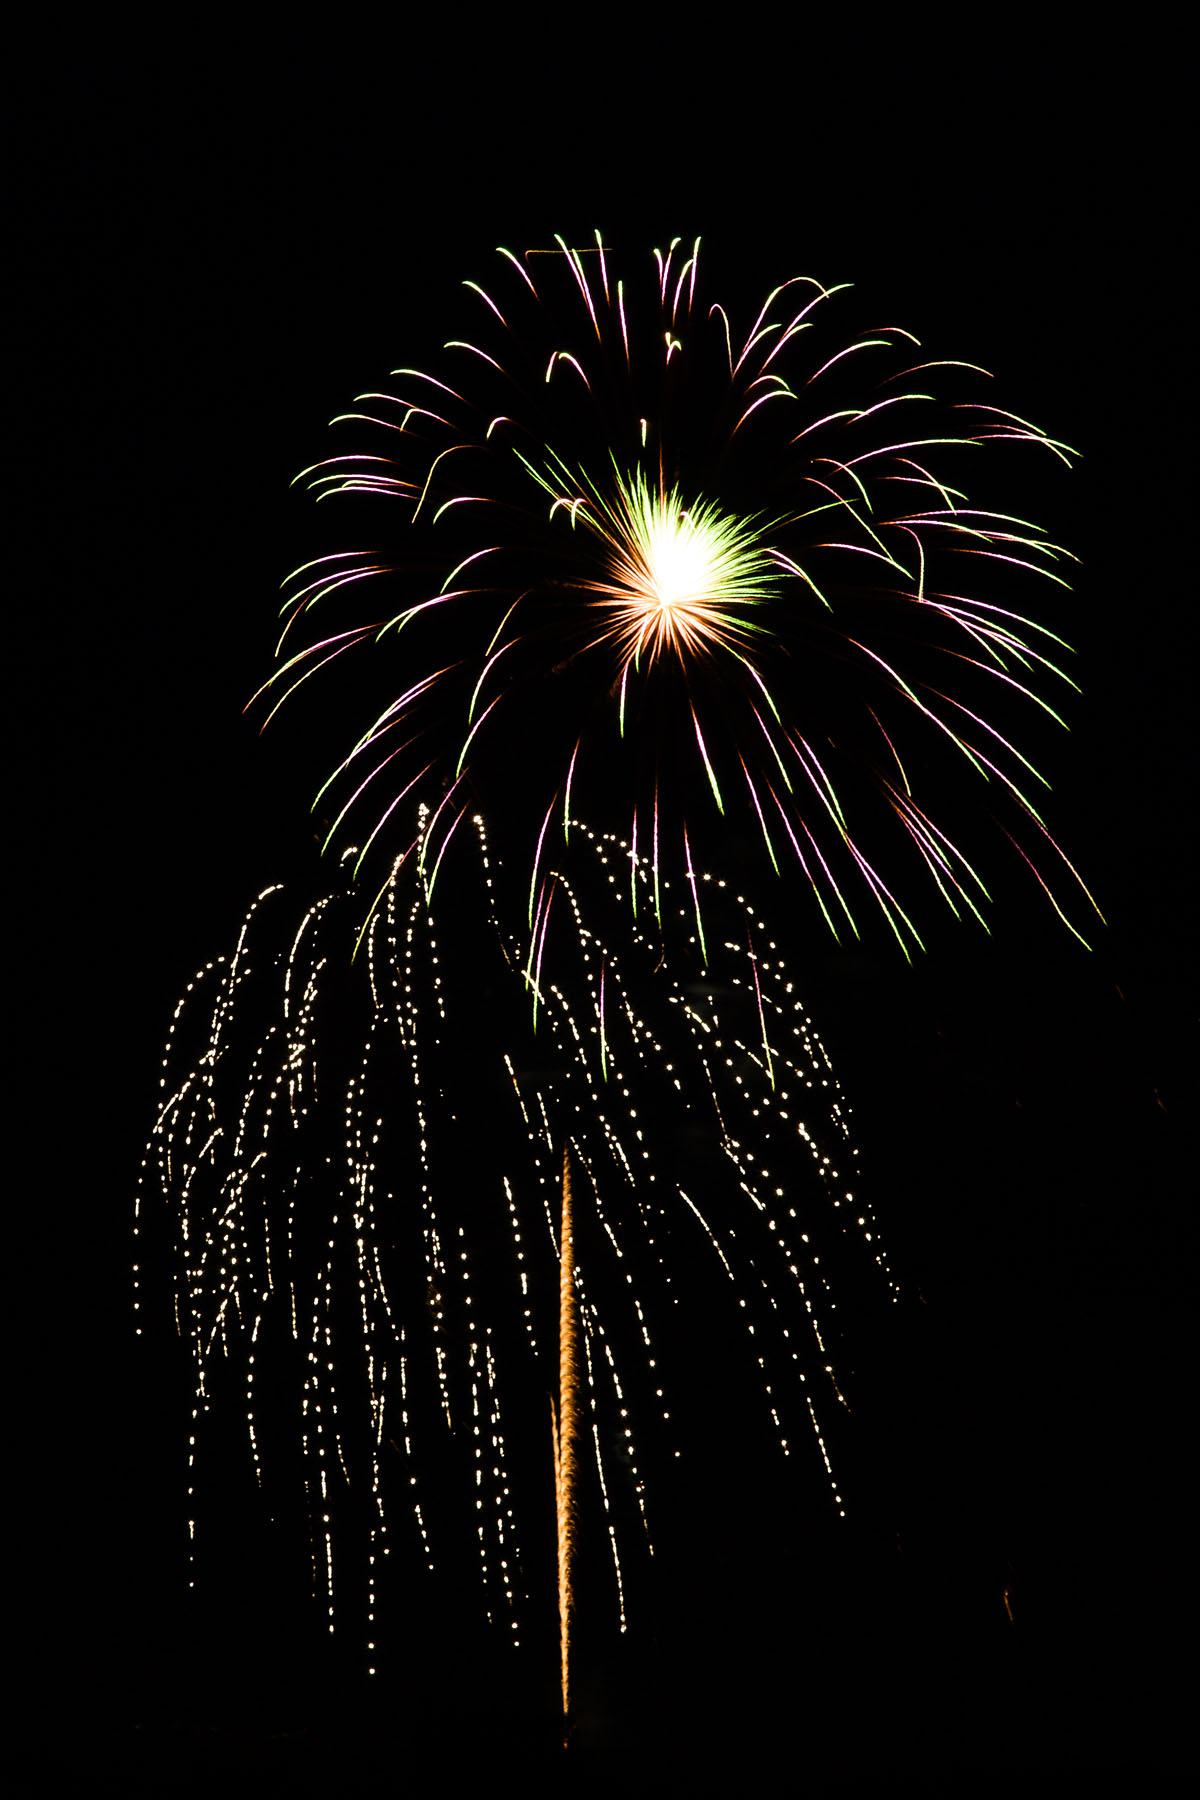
<point x="366" y="1163"/>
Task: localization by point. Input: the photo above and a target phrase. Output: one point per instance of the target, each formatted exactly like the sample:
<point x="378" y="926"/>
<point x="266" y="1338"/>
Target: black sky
<point x="212" y="262"/>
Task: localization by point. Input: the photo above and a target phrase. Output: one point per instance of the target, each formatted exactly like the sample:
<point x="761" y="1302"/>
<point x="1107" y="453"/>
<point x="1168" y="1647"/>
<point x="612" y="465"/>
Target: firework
<point x="362" y="1176"/>
<point x="717" y="587"/>
<point x="715" y="583"/>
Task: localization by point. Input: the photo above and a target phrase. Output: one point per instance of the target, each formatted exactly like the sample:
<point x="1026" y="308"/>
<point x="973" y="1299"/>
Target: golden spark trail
<point x="566" y="1427"/>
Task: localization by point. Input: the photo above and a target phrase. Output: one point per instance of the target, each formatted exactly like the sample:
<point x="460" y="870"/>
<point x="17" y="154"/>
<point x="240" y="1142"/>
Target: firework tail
<point x="565" y="1418"/>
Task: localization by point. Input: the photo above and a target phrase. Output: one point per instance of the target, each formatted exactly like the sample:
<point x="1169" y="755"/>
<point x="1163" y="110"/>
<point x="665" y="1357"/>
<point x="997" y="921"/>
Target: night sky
<point x="212" y="264"/>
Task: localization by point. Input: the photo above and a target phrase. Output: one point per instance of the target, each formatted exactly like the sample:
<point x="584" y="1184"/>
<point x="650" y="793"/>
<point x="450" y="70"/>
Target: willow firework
<point x="361" y="1170"/>
<point x="712" y="583"/>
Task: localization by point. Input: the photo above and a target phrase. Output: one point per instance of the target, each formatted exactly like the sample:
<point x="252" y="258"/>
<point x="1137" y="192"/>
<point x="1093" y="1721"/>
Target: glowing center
<point x="679" y="576"/>
<point x="681" y="566"/>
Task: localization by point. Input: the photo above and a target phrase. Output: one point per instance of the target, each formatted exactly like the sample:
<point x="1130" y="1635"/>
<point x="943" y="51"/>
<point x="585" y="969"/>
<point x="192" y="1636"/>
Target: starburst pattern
<point x="714" y="584"/>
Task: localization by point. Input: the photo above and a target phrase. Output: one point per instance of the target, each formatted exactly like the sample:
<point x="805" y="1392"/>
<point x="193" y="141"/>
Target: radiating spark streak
<point x="476" y="727"/>
<point x="345" y="641"/>
<point x="538" y="856"/>
<point x="991" y="729"/>
<point x="474" y="350"/>
<point x="908" y="693"/>
<point x="1017" y="562"/>
<point x="567" y="793"/>
<point x="519" y="267"/>
<point x="427" y="836"/>
<point x="432" y="380"/>
<point x="436" y="603"/>
<point x="774" y="749"/>
<point x="354" y="418"/>
<point x="888" y="903"/>
<point x="442" y="851"/>
<point x="603" y="267"/>
<point x="487" y="300"/>
<point x="576" y="268"/>
<point x="404" y="791"/>
<point x="690" y="873"/>
<point x="486" y="670"/>
<point x="941" y="363"/>
<point x="574" y="362"/>
<point x="708" y="768"/>
<point x="928" y="838"/>
<point x="834" y="888"/>
<point x="433" y="466"/>
<point x="808" y="873"/>
<point x="391" y="716"/>
<point x="970" y="608"/>
<point x="821" y="783"/>
<point x="878" y="343"/>
<point x="761" y="818"/>
<point x="379" y="768"/>
<point x="925" y="443"/>
<point x="541" y="943"/>
<point x="887" y="740"/>
<point x="447" y="591"/>
<point x="1045" y="889"/>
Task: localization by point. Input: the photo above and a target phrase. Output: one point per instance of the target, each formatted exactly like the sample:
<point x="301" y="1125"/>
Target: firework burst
<point x="717" y="587"/>
<point x="716" y="583"/>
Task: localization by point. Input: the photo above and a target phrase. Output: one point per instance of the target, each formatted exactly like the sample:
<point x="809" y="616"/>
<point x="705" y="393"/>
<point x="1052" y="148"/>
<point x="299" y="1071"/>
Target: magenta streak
<point x="446" y="843"/>
<point x="577" y="271"/>
<point x="333" y="654"/>
<point x="301" y="602"/>
<point x="754" y="796"/>
<point x="538" y="853"/>
<point x="391" y="755"/>
<point x="391" y="809"/>
<point x="537" y="974"/>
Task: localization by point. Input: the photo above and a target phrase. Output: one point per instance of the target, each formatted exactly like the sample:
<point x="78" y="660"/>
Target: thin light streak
<point x="566" y="1432"/>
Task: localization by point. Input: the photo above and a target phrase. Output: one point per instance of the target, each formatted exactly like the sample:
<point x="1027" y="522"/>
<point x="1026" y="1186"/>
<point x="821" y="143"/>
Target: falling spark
<point x="362" y="1161"/>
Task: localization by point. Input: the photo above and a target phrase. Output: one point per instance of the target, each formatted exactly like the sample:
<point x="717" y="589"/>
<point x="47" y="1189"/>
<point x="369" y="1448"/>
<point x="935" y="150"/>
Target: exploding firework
<point x="716" y="587"/>
<point x="362" y="1173"/>
<point x="717" y="584"/>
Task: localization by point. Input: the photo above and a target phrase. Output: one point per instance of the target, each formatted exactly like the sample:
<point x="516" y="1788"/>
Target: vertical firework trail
<point x="566" y="1431"/>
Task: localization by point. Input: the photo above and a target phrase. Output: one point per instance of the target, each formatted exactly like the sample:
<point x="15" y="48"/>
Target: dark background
<point x="217" y="247"/>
